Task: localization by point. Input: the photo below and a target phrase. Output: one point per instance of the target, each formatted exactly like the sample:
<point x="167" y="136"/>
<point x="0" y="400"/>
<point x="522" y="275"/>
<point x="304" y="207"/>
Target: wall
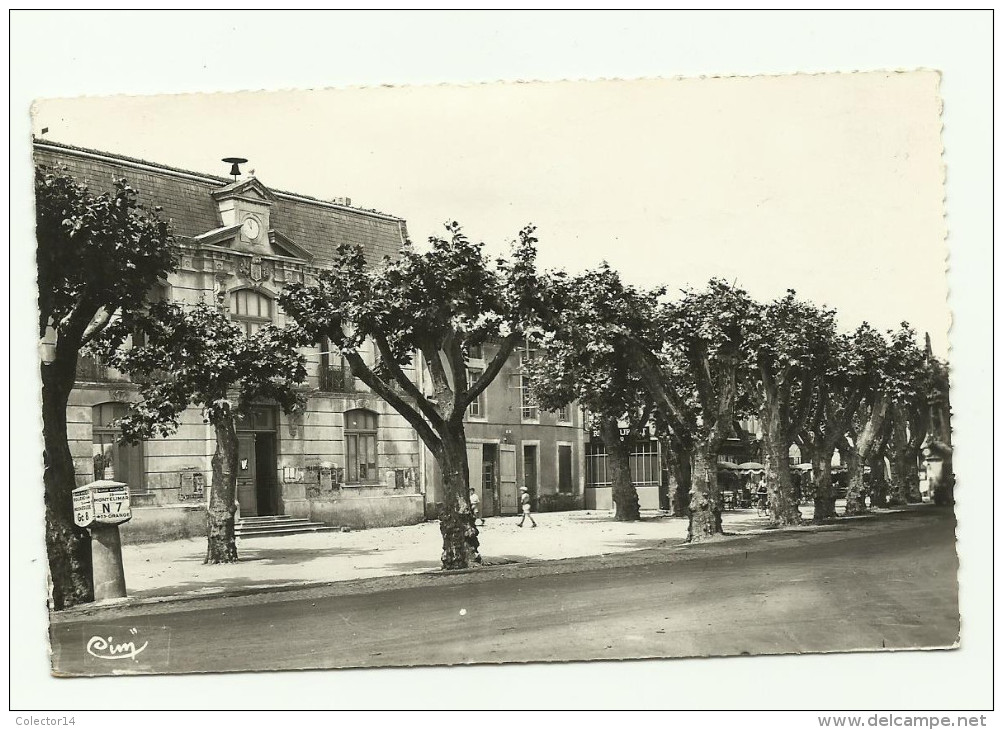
<point x="159" y="524"/>
<point x="601" y="498"/>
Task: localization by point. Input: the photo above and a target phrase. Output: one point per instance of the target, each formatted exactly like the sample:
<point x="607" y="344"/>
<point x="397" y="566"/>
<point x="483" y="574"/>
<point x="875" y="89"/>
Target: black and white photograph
<point x="503" y="377"/>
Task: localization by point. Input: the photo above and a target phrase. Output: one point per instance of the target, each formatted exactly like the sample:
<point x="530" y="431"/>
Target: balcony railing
<point x="336" y="380"/>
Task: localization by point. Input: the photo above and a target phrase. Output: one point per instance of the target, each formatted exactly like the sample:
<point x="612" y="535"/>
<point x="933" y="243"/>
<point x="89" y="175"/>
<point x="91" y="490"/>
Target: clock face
<point x="251" y="228"/>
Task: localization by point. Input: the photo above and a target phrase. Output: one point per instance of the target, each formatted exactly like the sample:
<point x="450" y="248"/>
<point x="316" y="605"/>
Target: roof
<point x="319" y="227"/>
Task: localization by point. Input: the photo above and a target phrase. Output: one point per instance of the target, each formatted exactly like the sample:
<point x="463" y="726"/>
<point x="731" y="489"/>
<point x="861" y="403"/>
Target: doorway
<point x="257" y="466"/>
<point x="530" y="468"/>
<point x="489" y="480"/>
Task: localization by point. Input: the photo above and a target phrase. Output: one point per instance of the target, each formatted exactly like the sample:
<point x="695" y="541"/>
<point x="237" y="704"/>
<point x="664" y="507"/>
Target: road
<point x="888" y="582"/>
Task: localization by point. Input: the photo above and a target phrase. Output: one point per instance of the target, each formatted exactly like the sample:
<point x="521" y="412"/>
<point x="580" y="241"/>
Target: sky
<point x="830" y="184"/>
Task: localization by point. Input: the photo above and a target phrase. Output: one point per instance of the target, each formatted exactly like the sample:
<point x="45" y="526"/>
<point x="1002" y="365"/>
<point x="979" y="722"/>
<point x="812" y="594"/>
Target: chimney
<point x="342" y="201"/>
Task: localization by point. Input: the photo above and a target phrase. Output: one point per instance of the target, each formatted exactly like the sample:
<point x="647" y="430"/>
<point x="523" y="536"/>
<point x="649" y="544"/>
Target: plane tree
<point x="788" y="346"/>
<point x="910" y="416"/>
<point x="437" y="303"/>
<point x="939" y="440"/>
<point x="581" y="362"/>
<point x="892" y="365"/>
<point x="849" y="376"/>
<point x="194" y="355"/>
<point x="98" y="255"/>
<point x="688" y="357"/>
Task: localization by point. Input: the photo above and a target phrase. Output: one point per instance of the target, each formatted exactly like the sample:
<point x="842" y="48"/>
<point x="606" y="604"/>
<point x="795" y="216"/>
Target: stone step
<point x="278" y="525"/>
<point x="291" y="530"/>
<point x="265" y="523"/>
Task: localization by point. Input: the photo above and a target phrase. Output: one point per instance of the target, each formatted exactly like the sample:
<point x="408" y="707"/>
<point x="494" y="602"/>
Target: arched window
<point x="114" y="461"/>
<point x="360" y="447"/>
<point x="251" y="309"/>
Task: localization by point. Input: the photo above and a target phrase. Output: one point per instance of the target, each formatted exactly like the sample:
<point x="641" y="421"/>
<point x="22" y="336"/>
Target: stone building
<point x="512" y="442"/>
<point x="349" y="459"/>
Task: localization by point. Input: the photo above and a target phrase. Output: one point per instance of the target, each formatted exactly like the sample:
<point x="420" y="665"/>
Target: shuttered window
<point x="112" y="460"/>
<point x="360" y="447"/>
<point x="250" y="309"/>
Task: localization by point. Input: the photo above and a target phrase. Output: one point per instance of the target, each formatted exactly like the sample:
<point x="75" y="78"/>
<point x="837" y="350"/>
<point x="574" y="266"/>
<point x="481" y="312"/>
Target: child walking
<point x="526" y="508"/>
<point x="475" y="506"/>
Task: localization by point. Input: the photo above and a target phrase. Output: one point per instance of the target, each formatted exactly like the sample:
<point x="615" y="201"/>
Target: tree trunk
<point x="898" y="442"/>
<point x="627" y="507"/>
<point x="705" y="502"/>
<point x="857" y="491"/>
<point x="864" y="444"/>
<point x="681" y="467"/>
<point x="460" y="544"/>
<point x="825" y="495"/>
<point x="776" y="450"/>
<point x="783" y="507"/>
<point x="68" y="547"/>
<point x="222" y="541"/>
<point x="881" y="493"/>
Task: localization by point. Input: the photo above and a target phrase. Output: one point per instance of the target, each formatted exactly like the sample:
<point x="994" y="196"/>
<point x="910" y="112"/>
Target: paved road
<point x="889" y="582"/>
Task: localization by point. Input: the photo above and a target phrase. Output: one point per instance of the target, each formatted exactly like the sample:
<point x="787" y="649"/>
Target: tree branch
<point x="650" y="371"/>
<point x="427" y="409"/>
<point x="440" y="381"/>
<point x="98" y="322"/>
<point x="452" y="346"/>
<point x="364" y="373"/>
<point x="492" y="370"/>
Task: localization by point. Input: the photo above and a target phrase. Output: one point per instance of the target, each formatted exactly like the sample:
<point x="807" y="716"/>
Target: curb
<point x="670" y="552"/>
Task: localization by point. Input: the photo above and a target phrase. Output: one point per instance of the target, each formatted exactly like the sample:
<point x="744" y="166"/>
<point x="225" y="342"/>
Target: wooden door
<point x="489" y="482"/>
<point x="509" y="493"/>
<point x="529" y="468"/>
<point x="474" y="466"/>
<point x="246" y="483"/>
<point x="266" y="475"/>
<point x="564" y="468"/>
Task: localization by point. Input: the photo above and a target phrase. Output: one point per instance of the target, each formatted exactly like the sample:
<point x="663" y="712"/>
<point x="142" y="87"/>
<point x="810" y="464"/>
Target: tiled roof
<point x="317" y="226"/>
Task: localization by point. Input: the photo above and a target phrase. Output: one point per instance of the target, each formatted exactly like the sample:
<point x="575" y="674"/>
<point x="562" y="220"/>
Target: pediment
<point x="277" y="245"/>
<point x="285" y="246"/>
<point x="250" y="189"/>
<point x="217" y="236"/>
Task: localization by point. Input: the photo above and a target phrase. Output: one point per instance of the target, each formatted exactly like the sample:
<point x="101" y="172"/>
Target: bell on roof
<point x="235" y="163"/>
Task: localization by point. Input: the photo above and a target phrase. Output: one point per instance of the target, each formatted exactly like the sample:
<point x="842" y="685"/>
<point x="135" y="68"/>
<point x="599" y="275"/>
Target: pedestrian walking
<point x="475" y="506"/>
<point x="526" y="508"/>
<point x="762" y="500"/>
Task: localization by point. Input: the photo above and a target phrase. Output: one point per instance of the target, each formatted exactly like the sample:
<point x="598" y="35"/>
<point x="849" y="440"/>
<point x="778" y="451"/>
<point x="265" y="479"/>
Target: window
<point x="644" y="466"/>
<point x="114" y="461"/>
<point x="250" y="309"/>
<point x="564" y="414"/>
<point x="527" y="399"/>
<point x="257" y="418"/>
<point x="475" y="352"/>
<point x="360" y="447"/>
<point x="645" y="469"/>
<point x="156" y="294"/>
<point x="477" y="406"/>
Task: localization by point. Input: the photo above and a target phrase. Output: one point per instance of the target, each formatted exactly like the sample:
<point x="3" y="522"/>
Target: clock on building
<point x="251" y="228"/>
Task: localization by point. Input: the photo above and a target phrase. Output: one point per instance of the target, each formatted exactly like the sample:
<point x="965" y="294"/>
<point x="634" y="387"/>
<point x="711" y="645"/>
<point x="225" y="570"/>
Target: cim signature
<point x="101" y="648"/>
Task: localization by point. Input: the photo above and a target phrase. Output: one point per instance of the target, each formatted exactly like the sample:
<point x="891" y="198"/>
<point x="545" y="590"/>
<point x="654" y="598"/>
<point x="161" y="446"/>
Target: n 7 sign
<point x="105" y="502"/>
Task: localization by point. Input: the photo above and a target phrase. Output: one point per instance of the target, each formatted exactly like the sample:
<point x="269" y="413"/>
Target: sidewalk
<point x="175" y="568"/>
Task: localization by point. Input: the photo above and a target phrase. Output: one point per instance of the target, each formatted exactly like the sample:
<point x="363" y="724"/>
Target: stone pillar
<point x="106" y="554"/>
